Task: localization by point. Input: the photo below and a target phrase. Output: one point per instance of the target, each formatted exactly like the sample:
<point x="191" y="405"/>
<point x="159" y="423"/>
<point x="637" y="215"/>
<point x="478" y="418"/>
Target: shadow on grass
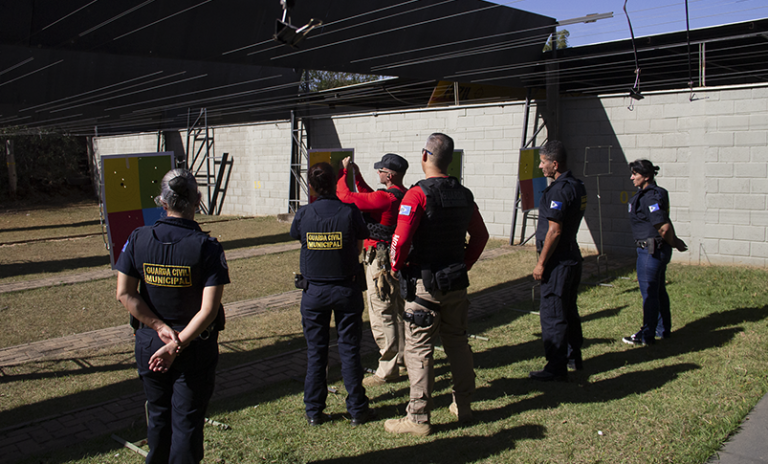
<point x="95" y="222"/>
<point x="112" y="391"/>
<point x="256" y="241"/>
<point x="52" y="266"/>
<point x="452" y="449"/>
<point x="553" y="394"/>
<point x="711" y="331"/>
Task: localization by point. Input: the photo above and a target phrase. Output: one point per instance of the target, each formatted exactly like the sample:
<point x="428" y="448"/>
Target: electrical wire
<point x="387" y="31"/>
<point x="17" y="65"/>
<point x="163" y="19"/>
<point x="210" y="89"/>
<point x="90" y="91"/>
<point x="180" y="81"/>
<point x="114" y="18"/>
<point x="31" y="73"/>
<point x="86" y="100"/>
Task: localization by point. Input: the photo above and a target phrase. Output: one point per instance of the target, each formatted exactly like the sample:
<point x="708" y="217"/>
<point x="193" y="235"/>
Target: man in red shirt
<point x="435" y="216"/>
<point x="385" y="305"/>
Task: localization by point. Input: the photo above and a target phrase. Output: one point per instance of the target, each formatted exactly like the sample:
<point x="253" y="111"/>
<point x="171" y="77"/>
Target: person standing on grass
<point x="385" y="305"/>
<point x="561" y="210"/>
<point x="331" y="235"/>
<point x="654" y="237"/>
<point x="435" y="216"/>
<point x="182" y="272"/>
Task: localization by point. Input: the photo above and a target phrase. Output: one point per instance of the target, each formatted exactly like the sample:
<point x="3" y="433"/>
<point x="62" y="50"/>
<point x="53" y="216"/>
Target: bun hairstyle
<point x="322" y="178"/>
<point x="178" y="192"/>
<point x="644" y="167"/>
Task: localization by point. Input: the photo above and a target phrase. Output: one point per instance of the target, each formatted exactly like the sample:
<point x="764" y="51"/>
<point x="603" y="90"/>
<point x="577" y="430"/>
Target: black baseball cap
<point x="392" y="162"/>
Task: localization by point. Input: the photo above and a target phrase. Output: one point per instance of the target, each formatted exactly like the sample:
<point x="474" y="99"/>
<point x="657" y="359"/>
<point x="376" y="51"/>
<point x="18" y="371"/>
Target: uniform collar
<point x="179" y="222"/>
<point x="564" y="175"/>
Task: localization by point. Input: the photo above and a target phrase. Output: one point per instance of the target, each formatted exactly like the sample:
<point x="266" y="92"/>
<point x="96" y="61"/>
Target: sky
<point x="648" y="17"/>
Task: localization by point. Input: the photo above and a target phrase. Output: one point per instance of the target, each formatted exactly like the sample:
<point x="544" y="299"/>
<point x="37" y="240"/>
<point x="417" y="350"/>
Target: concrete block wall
<point x="486" y="134"/>
<point x="712" y="150"/>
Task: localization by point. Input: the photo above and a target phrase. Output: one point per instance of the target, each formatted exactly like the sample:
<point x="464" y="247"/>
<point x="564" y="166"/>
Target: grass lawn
<point x="673" y="402"/>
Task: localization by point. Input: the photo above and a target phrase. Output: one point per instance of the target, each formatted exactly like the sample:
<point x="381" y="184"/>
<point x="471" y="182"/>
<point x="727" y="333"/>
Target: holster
<point x="419" y="317"/>
<point x="407" y="284"/>
<point x="653" y="244"/>
<point x="300" y="282"/>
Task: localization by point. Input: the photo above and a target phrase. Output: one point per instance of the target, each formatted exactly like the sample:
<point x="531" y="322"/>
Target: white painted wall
<point x="712" y="150"/>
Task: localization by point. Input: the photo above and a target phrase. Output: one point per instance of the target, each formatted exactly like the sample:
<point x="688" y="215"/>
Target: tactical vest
<point x="380" y="231"/>
<point x="440" y="239"/>
<point x="329" y="247"/>
<point x="171" y="273"/>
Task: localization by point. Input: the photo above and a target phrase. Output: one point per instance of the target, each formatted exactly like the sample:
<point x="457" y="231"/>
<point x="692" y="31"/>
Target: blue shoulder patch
<point x="653" y="208"/>
<point x="556" y="205"/>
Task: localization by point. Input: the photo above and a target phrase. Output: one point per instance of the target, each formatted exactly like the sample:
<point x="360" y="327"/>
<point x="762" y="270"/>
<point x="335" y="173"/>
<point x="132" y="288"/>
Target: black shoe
<point x="637" y="340"/>
<point x="319" y="419"/>
<point x="367" y="416"/>
<point x="575" y="365"/>
<point x="546" y="376"/>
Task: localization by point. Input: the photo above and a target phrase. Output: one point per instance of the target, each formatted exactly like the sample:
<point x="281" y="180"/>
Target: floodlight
<point x="289" y="34"/>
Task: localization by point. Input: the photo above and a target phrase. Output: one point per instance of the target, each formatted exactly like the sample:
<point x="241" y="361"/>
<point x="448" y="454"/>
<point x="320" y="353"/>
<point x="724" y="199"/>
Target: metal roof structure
<point x="123" y="66"/>
<point x="117" y="66"/>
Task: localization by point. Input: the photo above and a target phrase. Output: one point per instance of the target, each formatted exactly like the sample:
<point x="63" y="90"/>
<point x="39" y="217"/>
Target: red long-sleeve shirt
<point x="380" y="204"/>
<point x="412" y="208"/>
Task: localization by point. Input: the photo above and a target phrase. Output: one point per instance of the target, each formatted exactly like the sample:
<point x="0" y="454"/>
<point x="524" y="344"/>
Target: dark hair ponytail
<point x="644" y="167"/>
<point x="322" y="179"/>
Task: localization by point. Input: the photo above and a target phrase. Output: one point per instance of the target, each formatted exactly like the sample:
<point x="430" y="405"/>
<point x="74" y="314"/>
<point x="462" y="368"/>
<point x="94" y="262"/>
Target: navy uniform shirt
<point x="174" y="260"/>
<point x="563" y="201"/>
<point x="648" y="208"/>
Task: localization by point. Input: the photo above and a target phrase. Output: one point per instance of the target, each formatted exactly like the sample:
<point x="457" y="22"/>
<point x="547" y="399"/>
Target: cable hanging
<point x="634" y="92"/>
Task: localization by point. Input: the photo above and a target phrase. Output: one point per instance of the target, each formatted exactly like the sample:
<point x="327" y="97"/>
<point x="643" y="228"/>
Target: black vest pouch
<point x="453" y="277"/>
<point x="407" y="285"/>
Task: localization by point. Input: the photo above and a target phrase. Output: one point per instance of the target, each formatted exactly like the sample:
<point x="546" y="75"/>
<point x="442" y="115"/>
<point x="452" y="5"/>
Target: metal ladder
<point x="201" y="160"/>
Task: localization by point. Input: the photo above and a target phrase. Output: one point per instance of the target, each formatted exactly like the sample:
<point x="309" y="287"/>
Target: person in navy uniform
<point x="385" y="305"/>
<point x="182" y="272"/>
<point x="561" y="210"/>
<point x="654" y="237"/>
<point x="331" y="235"/>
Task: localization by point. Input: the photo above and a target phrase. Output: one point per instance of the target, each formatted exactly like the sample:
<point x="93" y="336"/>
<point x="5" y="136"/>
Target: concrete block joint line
<point x="54" y="432"/>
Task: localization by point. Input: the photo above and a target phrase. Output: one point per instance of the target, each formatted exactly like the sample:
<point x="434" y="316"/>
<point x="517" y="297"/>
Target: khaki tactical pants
<point x="451" y="325"/>
<point x="387" y="328"/>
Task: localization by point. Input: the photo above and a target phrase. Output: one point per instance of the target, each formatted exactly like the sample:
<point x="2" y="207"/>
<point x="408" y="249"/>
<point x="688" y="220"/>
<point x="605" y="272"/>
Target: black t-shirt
<point x="563" y="201"/>
<point x="648" y="208"/>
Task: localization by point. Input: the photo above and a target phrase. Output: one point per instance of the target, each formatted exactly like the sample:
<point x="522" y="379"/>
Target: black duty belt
<point x="641" y="243"/>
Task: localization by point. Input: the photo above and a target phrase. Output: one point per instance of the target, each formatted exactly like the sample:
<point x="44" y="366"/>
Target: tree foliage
<point x="561" y="40"/>
<point x="46" y="164"/>
<point x="315" y="80"/>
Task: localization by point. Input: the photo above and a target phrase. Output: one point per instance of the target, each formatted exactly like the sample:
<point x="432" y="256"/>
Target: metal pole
<point x="10" y="161"/>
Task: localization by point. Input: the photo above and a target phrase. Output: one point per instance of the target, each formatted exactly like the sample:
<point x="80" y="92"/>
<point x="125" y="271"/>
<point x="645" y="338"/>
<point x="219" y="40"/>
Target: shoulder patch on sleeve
<point x="556" y="205"/>
<point x="405" y="210"/>
<point x="125" y="245"/>
<point x="654" y="207"/>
